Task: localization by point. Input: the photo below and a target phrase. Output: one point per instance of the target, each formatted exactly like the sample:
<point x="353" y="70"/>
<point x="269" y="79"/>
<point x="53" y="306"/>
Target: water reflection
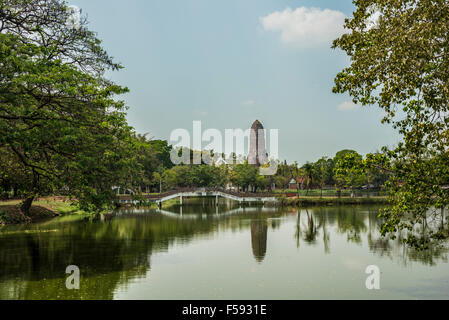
<point x="259" y="231"/>
<point x="116" y="249"/>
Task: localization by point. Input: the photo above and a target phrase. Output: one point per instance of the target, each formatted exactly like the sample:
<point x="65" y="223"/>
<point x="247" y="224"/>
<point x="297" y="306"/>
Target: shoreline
<point x="330" y="201"/>
<point x="10" y="213"/>
<point x="42" y="209"/>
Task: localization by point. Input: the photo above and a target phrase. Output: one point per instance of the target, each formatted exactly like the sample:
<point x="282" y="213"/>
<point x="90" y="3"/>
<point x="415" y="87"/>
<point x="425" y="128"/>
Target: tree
<point x="308" y="175"/>
<point x="12" y="176"/>
<point x="339" y="178"/>
<point x="296" y="175"/>
<point x="321" y="171"/>
<point x="153" y="157"/>
<point x="59" y="117"/>
<point x="170" y="179"/>
<point x="243" y="175"/>
<point x="161" y="150"/>
<point x="401" y="63"/>
<point x="349" y="170"/>
<point x="282" y="182"/>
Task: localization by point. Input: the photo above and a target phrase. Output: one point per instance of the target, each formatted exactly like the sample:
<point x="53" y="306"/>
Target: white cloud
<point x="306" y="27"/>
<point x="348" y="106"/>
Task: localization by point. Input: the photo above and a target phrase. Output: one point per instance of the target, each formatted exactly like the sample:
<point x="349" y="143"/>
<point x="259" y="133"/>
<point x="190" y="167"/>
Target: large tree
<point x="59" y="116"/>
<point x="349" y="171"/>
<point x="399" y="51"/>
<point x="323" y="172"/>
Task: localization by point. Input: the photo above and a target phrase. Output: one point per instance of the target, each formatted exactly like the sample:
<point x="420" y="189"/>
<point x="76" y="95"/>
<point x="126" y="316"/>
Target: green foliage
<point x="349" y="171"/>
<point x="401" y="64"/>
<point x="186" y="176"/>
<point x="153" y="157"/>
<point x="243" y="175"/>
<point x="60" y="122"/>
<point x="322" y="170"/>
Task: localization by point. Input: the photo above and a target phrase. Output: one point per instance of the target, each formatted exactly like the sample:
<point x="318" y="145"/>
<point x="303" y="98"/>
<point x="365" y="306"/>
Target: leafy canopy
<point x="401" y="63"/>
<point x="60" y="120"/>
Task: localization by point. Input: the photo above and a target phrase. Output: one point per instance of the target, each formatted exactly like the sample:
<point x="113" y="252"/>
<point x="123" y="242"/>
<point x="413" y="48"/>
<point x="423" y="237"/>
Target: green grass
<point x="60" y="207"/>
<point x="329" y="192"/>
<point x="57" y="206"/>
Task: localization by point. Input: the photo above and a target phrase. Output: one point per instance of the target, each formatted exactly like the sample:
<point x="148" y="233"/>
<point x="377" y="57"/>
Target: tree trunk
<point x="26" y="205"/>
<point x="369" y="188"/>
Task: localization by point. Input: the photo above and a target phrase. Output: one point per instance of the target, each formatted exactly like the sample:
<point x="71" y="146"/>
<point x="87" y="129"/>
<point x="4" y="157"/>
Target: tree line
<point x="347" y="170"/>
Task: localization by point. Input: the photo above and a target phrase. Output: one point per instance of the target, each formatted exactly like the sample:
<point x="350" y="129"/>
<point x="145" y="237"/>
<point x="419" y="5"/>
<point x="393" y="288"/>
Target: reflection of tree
<point x="351" y="222"/>
<point x="354" y="222"/>
<point x="430" y="256"/>
<point x="298" y="232"/>
<point x="108" y="254"/>
<point x="275" y="224"/>
<point x="111" y="252"/>
<point x="259" y="230"/>
<point x="322" y="218"/>
<point x="309" y="229"/>
<point x="396" y="249"/>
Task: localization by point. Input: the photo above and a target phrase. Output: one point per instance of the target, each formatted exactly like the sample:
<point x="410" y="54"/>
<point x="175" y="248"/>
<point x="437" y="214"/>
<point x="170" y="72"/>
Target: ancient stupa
<point x="257" y="150"/>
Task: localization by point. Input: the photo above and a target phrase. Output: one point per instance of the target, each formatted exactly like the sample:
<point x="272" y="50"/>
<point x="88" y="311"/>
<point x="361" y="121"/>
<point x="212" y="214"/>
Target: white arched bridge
<point x="200" y="192"/>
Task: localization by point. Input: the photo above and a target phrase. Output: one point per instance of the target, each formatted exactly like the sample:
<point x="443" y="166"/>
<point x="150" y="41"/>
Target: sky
<point x="228" y="63"/>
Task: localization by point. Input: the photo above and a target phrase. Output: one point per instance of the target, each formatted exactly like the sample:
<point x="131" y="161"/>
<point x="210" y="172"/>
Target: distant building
<point x="293" y="184"/>
<point x="257" y="150"/>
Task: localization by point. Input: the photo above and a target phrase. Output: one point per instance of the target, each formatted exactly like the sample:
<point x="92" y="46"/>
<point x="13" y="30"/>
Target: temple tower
<point x="257" y="150"/>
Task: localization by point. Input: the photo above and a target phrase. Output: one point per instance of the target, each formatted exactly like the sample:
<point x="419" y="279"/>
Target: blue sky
<point x="228" y="63"/>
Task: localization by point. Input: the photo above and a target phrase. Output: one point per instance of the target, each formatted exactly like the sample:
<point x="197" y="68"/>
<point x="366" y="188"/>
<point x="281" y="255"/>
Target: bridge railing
<point x="192" y="190"/>
<point x="244" y="194"/>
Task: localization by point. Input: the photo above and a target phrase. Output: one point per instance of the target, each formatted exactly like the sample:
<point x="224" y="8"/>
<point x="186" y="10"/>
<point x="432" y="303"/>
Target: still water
<point x="224" y="253"/>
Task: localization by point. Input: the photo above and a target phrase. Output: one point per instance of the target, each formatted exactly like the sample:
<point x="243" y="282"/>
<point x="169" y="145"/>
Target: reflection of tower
<point x="257" y="152"/>
<point x="259" y="230"/>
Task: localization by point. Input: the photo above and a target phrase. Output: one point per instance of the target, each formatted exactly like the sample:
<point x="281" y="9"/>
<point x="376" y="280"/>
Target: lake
<point x="200" y="251"/>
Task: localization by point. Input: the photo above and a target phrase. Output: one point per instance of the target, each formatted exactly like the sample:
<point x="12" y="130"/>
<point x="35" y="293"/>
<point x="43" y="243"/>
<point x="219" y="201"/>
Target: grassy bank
<point x="332" y="193"/>
<point x="42" y="209"/>
<point x="153" y="205"/>
<point x="329" y="201"/>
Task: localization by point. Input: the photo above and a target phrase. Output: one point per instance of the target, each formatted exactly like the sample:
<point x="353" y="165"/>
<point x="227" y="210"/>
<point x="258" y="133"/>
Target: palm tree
<point x="308" y="175"/>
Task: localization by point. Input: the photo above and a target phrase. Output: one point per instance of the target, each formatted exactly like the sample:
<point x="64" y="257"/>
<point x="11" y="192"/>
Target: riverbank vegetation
<point x="400" y="63"/>
<point x="332" y="201"/>
<point x="327" y="176"/>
